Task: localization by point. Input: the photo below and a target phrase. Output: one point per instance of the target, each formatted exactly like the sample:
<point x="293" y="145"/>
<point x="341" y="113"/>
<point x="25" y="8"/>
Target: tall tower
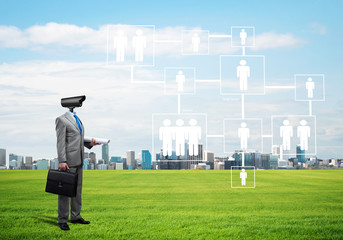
<point x="146" y="160"/>
<point x="2" y="157"/>
<point x="300" y="155"/>
<point x="130" y="161"/>
<point x="105" y="153"/>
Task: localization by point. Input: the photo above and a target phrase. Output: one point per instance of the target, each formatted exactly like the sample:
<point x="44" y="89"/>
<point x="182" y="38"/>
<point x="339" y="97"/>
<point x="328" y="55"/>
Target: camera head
<point x="73" y="102"/>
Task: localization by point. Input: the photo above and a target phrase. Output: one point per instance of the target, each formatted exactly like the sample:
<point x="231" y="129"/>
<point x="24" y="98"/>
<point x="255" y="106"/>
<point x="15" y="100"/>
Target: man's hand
<point x="63" y="166"/>
<point x="94" y="142"/>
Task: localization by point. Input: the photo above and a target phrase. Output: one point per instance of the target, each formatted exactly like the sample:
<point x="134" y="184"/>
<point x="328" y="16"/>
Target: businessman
<point x="70" y="151"/>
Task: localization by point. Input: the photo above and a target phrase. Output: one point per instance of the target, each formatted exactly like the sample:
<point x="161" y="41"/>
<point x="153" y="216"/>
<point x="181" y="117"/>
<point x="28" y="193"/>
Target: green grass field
<point x="301" y="204"/>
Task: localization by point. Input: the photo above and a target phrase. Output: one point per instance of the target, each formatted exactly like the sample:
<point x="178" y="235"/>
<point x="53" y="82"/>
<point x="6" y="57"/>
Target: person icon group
<point x="303" y="133"/>
<point x="139" y="43"/>
<point x="180" y="134"/>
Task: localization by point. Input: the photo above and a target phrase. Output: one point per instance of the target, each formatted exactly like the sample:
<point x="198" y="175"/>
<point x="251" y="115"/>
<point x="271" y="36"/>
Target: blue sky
<point x="313" y="28"/>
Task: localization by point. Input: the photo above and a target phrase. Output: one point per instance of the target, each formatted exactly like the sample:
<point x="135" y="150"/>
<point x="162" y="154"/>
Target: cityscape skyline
<point x="35" y="70"/>
<point x="273" y="160"/>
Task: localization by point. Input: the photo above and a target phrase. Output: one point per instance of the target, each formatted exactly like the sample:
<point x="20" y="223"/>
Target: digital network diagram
<point x="180" y="136"/>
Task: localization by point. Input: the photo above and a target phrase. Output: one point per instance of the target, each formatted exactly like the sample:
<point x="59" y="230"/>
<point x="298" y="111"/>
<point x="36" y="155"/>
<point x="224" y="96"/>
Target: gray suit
<point x="70" y="149"/>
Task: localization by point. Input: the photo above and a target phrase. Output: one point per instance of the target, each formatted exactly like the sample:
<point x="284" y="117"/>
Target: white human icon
<point x="303" y="134"/>
<point x="195" y="42"/>
<point x="193" y="135"/>
<point x="180" y="136"/>
<point x="180" y="79"/>
<point x="166" y="135"/>
<point x="243" y="36"/>
<point x="243" y="73"/>
<point x="286" y="132"/>
<point x="120" y="44"/>
<point x="243" y="175"/>
<point x="309" y="87"/>
<point x="139" y="43"/>
<point x="244" y="134"/>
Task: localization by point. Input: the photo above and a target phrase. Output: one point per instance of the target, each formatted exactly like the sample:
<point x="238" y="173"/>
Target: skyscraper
<point x="92" y="157"/>
<point x="28" y="162"/>
<point x="146" y="160"/>
<point x="17" y="158"/>
<point x="208" y="156"/>
<point x="115" y="159"/>
<point x="105" y="153"/>
<point x="2" y="157"/>
<point x="265" y="161"/>
<point x="130" y="159"/>
<point x="300" y="155"/>
<point x="42" y="164"/>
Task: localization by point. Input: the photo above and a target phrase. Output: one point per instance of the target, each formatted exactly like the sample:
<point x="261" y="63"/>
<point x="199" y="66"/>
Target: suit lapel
<point x="72" y="121"/>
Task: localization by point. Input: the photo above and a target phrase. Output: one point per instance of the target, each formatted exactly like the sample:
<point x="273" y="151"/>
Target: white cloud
<point x="55" y="36"/>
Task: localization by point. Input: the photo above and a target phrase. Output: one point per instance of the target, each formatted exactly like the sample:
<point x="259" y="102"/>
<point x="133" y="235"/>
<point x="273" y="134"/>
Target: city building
<point x="28" y="162"/>
<point x="105" y="153"/>
<point x="111" y="166"/>
<point x="131" y="161"/>
<point x="208" y="156"/>
<point x="17" y="158"/>
<point x="85" y="164"/>
<point x="218" y="165"/>
<point x="265" y="161"/>
<point x="2" y="157"/>
<point x="146" y="160"/>
<point x="54" y="164"/>
<point x="115" y="159"/>
<point x="300" y="155"/>
<point x="42" y="164"/>
<point x="276" y="150"/>
<point x="13" y="164"/>
<point x="119" y="166"/>
<point x="92" y="157"/>
<point x="102" y="166"/>
<point x="273" y="161"/>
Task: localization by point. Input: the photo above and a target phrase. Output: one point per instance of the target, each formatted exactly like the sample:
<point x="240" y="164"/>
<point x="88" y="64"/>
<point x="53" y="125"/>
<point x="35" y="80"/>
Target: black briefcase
<point x="61" y="183"/>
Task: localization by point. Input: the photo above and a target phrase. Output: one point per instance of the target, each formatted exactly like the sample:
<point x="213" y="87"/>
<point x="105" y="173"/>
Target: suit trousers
<point x="75" y="202"/>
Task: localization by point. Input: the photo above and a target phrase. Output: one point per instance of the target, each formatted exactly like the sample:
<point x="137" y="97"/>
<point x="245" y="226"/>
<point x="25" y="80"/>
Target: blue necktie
<point x="78" y="122"/>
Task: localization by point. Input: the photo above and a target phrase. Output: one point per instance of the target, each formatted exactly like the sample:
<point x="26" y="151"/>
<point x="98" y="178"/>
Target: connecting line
<point x="179" y="104"/>
<point x="280" y="87"/>
<point x="243" y="113"/>
<point x="220" y="36"/>
<point x="215" y="136"/>
<point x="243" y="159"/>
<point x="167" y="41"/>
<point x="310" y="107"/>
<point x="243" y="51"/>
<point x="208" y="81"/>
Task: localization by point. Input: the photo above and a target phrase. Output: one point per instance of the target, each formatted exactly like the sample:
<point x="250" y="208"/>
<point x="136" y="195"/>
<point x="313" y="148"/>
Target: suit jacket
<point x="70" y="142"/>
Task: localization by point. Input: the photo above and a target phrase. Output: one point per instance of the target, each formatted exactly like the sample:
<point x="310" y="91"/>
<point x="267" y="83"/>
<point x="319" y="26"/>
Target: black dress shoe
<point x="64" y="226"/>
<point x="81" y="221"/>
